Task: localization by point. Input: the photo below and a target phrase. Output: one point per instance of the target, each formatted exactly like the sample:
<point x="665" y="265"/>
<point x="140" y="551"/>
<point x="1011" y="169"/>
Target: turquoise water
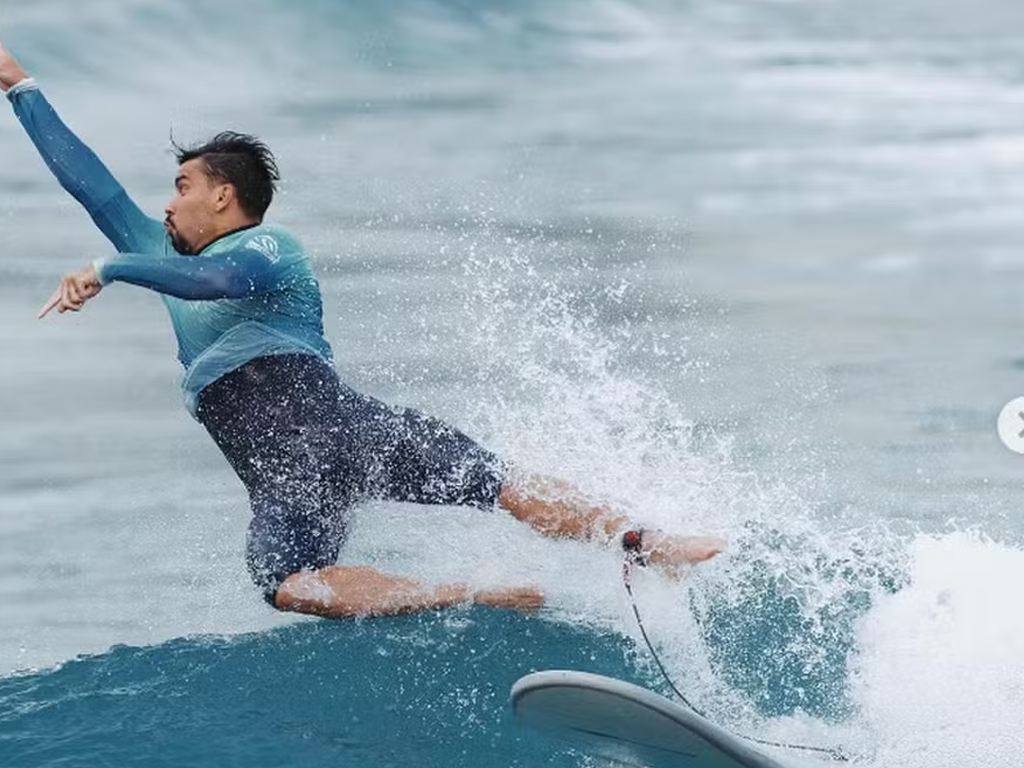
<point x="749" y="268"/>
<point x="406" y="691"/>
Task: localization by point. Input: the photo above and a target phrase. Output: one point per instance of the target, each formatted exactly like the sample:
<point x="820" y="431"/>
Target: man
<point x="245" y="306"/>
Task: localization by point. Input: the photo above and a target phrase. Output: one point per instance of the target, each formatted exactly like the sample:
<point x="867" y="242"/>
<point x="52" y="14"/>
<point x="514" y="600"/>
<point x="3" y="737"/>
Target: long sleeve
<point x="82" y="173"/>
<point x="231" y="274"/>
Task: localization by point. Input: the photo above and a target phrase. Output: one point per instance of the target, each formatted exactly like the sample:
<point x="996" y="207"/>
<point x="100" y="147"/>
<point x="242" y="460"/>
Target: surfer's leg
<point x="288" y="535"/>
<point x="342" y="592"/>
<point x="558" y="509"/>
<point x="272" y="420"/>
<point x="409" y="456"/>
<point x="376" y="451"/>
<point x="302" y="445"/>
<point x="401" y="454"/>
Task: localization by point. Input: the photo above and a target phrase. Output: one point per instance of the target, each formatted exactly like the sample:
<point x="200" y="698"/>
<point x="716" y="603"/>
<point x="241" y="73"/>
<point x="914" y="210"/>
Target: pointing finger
<point x="52" y="302"/>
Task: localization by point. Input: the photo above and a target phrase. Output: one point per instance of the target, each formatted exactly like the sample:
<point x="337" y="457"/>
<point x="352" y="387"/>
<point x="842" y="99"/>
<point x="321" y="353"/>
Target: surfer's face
<point x="191" y="213"/>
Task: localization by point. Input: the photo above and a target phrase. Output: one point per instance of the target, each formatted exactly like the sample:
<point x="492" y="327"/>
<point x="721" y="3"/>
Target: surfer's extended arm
<point x="228" y="275"/>
<point x="77" y="167"/>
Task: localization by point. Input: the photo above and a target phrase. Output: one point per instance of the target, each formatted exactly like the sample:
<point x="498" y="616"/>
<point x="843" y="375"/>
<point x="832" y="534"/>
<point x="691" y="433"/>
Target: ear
<point x="223" y="196"/>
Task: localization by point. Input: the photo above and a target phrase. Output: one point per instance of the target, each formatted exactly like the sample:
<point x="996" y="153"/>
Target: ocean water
<point x="749" y="268"/>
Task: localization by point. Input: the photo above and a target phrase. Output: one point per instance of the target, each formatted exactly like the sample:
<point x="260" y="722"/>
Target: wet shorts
<point x="308" y="449"/>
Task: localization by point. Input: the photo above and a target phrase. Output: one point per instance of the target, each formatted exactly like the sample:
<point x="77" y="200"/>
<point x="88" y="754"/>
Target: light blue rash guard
<point x="248" y="294"/>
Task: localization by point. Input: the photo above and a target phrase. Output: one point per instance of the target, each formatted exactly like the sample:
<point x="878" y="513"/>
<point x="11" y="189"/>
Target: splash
<point x="555" y="323"/>
<point x="940" y="668"/>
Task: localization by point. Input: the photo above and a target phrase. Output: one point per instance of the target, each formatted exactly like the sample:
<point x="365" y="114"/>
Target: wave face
<point x="426" y="690"/>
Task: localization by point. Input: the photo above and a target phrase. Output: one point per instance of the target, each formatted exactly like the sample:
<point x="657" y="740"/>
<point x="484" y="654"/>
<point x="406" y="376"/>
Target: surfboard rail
<point x="624" y="722"/>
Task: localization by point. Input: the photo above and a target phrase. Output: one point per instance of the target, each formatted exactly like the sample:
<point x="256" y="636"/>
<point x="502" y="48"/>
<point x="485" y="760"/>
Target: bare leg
<point x="340" y="592"/>
<point x="557" y="509"/>
<point x="553" y="507"/>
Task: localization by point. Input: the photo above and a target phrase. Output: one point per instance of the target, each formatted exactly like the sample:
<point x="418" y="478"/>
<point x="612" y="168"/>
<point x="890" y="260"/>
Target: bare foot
<point x="673" y="553"/>
<point x="522" y="599"/>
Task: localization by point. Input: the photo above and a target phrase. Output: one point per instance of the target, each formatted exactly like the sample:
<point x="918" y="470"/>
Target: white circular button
<point x="1011" y="425"/>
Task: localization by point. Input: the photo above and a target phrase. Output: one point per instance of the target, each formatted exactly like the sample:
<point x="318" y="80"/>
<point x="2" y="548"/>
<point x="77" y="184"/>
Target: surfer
<point x="246" y="310"/>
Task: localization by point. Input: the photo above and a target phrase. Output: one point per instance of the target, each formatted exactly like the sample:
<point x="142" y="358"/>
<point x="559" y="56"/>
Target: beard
<point x="181" y="245"/>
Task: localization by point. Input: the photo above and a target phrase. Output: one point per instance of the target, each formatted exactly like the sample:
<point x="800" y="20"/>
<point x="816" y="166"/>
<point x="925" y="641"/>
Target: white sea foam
<point x="940" y="665"/>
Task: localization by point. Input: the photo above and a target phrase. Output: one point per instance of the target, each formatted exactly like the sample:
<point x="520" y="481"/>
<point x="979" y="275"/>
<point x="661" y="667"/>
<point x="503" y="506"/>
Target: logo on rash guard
<point x="266" y="245"/>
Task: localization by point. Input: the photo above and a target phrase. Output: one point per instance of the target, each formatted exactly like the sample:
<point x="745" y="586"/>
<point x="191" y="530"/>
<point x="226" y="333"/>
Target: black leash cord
<point x="627" y="572"/>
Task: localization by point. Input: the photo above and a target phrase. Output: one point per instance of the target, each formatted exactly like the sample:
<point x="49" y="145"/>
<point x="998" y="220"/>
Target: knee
<point x="295" y="593"/>
<point x="268" y="572"/>
<point x="284" y="543"/>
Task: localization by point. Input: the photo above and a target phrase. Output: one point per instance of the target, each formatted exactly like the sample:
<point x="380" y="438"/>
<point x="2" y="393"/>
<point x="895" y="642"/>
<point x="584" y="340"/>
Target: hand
<point x="75" y="289"/>
<point x="673" y="553"/>
<point x="10" y="72"/>
<point x="522" y="599"/>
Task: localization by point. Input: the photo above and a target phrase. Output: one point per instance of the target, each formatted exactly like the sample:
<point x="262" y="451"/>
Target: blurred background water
<point x="748" y="267"/>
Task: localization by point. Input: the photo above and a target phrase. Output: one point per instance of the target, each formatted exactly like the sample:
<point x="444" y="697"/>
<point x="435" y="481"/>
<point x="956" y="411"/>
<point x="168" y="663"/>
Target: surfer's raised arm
<point x="77" y="167"/>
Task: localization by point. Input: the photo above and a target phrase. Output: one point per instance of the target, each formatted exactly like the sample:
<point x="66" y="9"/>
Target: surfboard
<point x="627" y="724"/>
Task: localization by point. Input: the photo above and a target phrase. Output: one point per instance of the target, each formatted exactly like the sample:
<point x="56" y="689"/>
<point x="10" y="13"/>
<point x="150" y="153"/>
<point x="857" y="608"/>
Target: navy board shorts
<point x="308" y="448"/>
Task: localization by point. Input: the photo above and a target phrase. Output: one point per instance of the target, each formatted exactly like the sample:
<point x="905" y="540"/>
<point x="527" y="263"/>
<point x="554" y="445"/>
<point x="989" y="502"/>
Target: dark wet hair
<point x="241" y="160"/>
